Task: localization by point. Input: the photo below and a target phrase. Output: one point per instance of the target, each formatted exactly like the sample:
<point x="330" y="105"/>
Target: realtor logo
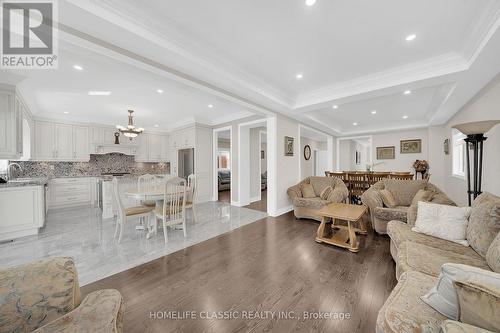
<point x="29" y="34"/>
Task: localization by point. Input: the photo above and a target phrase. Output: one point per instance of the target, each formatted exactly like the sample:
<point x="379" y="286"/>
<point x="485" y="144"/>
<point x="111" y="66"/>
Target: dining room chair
<point x="402" y="175"/>
<point x="126" y="213"/>
<point x="357" y="186"/>
<point x="192" y="184"/>
<point x="374" y="177"/>
<point x="147" y="182"/>
<point x="173" y="210"/>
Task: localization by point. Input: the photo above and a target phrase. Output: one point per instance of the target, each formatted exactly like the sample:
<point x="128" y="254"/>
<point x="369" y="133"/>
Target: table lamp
<point x="475" y="138"/>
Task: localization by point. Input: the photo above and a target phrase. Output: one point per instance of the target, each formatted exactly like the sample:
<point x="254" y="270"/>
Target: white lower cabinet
<point x="22" y="211"/>
<point x="70" y="192"/>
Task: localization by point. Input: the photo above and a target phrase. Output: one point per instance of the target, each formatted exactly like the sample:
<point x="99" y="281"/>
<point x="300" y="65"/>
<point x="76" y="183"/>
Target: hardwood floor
<point x="270" y="265"/>
<point x="260" y="205"/>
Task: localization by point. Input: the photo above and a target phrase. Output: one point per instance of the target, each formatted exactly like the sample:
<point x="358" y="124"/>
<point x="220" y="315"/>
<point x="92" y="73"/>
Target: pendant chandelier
<point x="130" y="131"/>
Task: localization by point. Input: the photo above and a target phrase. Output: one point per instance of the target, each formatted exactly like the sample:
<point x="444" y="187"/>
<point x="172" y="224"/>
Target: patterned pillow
<point x="483" y="222"/>
<point x="422" y="195"/>
<point x="325" y="194"/>
<point x="307" y="190"/>
<point x="493" y="254"/>
<point x="388" y="199"/>
<point x="404" y="190"/>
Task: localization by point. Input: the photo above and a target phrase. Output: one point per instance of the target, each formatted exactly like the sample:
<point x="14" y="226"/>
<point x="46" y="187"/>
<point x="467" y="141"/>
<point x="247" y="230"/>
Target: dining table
<point x="155" y="193"/>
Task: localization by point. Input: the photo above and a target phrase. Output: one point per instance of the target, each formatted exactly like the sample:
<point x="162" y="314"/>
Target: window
<point x="458" y="154"/>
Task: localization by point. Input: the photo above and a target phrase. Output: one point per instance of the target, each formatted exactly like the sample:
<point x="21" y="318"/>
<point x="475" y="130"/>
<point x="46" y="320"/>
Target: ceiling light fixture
<point x="66" y="112"/>
<point x="407" y="92"/>
<point x="335" y="107"/>
<point x="130" y="131"/>
<point x="411" y="37"/>
<point x="299" y="76"/>
<point x="355" y="124"/>
<point x="99" y="93"/>
<point x="374" y="112"/>
<point x="159" y="91"/>
<point x="405" y="117"/>
<point x="210" y="106"/>
<point x="310" y="2"/>
<point x="78" y="67"/>
<point x="157" y="125"/>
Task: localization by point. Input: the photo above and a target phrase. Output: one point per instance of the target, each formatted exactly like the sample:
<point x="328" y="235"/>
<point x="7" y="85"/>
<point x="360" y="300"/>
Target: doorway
<point x="354" y="153"/>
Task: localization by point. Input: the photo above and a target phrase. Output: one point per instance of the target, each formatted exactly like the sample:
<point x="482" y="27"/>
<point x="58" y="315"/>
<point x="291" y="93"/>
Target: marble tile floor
<point x="82" y="234"/>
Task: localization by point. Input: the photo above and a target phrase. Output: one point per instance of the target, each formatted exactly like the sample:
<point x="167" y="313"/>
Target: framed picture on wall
<point x="411" y="146"/>
<point x="386" y="153"/>
<point x="288" y="146"/>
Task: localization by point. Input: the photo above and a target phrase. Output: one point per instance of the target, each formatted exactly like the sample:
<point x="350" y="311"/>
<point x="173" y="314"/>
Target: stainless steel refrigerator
<point x="185" y="162"/>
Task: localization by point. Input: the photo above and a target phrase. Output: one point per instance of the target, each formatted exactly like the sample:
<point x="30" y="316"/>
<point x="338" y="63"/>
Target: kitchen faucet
<point x="9" y="174"/>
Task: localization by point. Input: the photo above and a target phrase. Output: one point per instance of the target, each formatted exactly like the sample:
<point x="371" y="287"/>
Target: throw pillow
<point x="388" y="199"/>
<point x="422" y="195"/>
<point x="493" y="254"/>
<point x="307" y="190"/>
<point x="326" y="193"/>
<point x="442" y="221"/>
<point x="443" y="297"/>
<point x="404" y="190"/>
<point x="442" y="199"/>
<point x="483" y="222"/>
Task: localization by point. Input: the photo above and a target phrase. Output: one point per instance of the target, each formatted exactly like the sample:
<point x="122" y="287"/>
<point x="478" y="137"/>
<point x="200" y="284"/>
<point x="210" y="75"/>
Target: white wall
<point x="345" y="155"/>
<point x="402" y="162"/>
<point x="287" y="167"/>
<point x="307" y="166"/>
<point x="485" y="106"/>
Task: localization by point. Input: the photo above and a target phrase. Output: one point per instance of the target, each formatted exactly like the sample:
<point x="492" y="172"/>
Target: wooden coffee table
<point x="341" y="235"/>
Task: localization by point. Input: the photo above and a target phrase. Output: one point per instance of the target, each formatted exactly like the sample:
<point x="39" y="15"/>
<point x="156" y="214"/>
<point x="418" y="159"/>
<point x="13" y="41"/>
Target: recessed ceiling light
<point x="99" y="93"/>
<point x="355" y="124"/>
<point x="157" y="125"/>
<point x="210" y="106"/>
<point x="407" y="92"/>
<point x="405" y="117"/>
<point x="66" y="112"/>
<point x="411" y="37"/>
<point x="159" y="91"/>
<point x="335" y="106"/>
<point x="78" y="67"/>
<point x="374" y="112"/>
<point x="310" y="2"/>
<point x="299" y="76"/>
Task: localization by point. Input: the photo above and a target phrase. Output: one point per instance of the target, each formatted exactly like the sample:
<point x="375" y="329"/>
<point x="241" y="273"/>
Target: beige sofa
<point x="419" y="259"/>
<point x="403" y="191"/>
<point x="309" y="207"/>
<point x="44" y="296"/>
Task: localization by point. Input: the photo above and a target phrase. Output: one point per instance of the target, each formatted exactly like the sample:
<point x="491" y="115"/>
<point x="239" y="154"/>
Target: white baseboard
<point x="236" y="203"/>
<point x="254" y="199"/>
<point x="281" y="211"/>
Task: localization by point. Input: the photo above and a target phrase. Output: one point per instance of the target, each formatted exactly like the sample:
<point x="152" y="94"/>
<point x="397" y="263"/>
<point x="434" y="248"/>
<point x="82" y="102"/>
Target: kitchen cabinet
<point x="22" y="211"/>
<point x="11" y="135"/>
<point x="70" y="192"/>
<point x="61" y="142"/>
<point x="152" y="147"/>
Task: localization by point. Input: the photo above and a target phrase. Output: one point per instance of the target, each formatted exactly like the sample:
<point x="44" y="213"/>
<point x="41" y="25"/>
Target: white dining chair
<point x="173" y="210"/>
<point x="124" y="213"/>
<point x="192" y="184"/>
<point x="147" y="182"/>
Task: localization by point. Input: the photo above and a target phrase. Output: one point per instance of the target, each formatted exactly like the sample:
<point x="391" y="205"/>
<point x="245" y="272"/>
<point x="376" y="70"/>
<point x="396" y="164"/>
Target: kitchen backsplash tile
<point x="97" y="165"/>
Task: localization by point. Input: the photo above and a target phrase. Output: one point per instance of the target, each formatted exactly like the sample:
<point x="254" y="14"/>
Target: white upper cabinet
<point x="81" y="143"/>
<point x="61" y="142"/>
<point x="44" y="141"/>
<point x="64" y="142"/>
<point x="152" y="148"/>
<point x="11" y="146"/>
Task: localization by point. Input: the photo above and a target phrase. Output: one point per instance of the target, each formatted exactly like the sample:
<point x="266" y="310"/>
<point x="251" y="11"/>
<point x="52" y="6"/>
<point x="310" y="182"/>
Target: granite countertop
<point x="25" y="182"/>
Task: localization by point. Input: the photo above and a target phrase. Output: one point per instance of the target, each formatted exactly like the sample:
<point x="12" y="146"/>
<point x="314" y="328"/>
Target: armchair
<point x="44" y="296"/>
<point x="404" y="191"/>
<point x="309" y="207"/>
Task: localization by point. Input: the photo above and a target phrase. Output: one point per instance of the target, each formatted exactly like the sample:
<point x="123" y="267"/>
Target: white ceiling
<point x="245" y="55"/>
